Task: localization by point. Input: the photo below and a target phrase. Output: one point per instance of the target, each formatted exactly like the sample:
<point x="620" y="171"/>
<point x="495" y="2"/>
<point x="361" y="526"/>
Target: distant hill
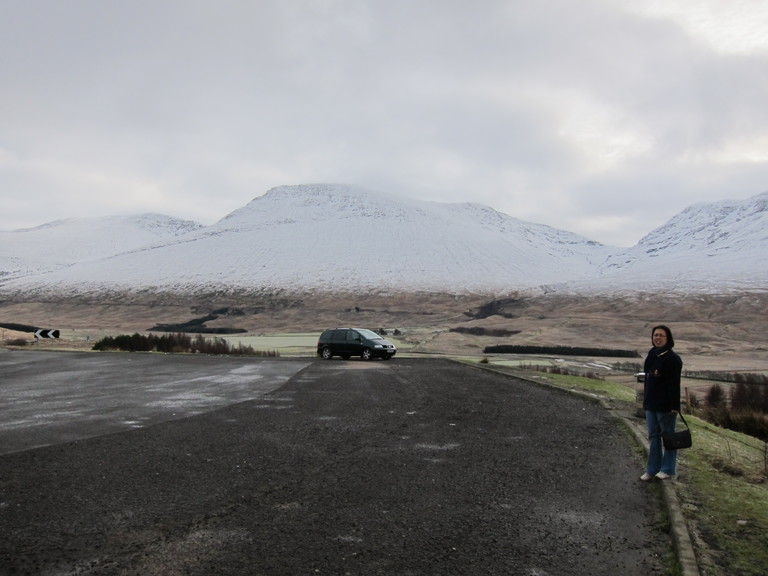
<point x="341" y="238"/>
<point x="713" y="245"/>
<point x="63" y="243"/>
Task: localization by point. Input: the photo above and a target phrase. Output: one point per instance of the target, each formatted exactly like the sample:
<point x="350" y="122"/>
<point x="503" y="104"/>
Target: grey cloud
<point x="208" y="104"/>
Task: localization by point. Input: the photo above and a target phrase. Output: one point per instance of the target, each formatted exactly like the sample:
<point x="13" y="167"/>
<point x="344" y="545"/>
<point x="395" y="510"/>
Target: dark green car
<point x="348" y="342"/>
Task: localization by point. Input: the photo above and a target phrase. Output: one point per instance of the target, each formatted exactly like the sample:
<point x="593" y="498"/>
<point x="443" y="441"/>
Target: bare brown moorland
<point x="713" y="331"/>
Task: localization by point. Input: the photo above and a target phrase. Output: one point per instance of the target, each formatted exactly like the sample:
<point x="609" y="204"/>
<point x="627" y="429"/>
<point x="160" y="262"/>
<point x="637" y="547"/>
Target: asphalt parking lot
<point x="191" y="465"/>
<point x="53" y="397"/>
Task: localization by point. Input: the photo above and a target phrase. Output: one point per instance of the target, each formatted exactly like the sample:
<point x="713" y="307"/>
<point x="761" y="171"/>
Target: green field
<point x="299" y="344"/>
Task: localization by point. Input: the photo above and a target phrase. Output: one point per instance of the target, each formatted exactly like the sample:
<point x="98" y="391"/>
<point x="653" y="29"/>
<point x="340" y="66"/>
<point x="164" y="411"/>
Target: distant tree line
<point x="176" y="343"/>
<point x="480" y="331"/>
<point x="559" y="350"/>
<point x="18" y="327"/>
<point x="197" y="325"/>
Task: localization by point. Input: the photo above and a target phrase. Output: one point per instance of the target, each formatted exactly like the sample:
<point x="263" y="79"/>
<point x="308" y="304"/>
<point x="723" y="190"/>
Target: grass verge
<point x="725" y="499"/>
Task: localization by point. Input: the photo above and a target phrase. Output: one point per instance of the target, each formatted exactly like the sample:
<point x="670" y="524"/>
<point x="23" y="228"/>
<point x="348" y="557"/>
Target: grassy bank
<point x="725" y="496"/>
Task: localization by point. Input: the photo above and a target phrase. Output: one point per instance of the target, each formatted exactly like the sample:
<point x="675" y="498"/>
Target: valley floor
<point x="713" y="332"/>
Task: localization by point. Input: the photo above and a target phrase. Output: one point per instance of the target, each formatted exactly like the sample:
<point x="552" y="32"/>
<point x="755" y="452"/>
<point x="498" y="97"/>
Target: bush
<point x="750" y="422"/>
<point x="715" y="396"/>
<point x="176" y="343"/>
<point x="16" y="342"/>
<point x="747" y="412"/>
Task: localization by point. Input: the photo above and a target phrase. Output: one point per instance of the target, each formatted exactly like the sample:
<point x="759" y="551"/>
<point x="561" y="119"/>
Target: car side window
<point x="352" y="335"/>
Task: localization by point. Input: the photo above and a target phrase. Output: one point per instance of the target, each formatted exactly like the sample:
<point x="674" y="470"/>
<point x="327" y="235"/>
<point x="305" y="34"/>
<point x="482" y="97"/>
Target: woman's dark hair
<point x="670" y="340"/>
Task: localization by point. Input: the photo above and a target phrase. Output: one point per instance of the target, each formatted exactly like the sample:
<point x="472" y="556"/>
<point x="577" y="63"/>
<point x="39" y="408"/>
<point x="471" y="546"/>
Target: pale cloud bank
<point x="602" y="117"/>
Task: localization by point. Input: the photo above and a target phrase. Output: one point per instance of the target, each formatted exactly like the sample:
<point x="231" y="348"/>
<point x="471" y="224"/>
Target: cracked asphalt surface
<point x="408" y="467"/>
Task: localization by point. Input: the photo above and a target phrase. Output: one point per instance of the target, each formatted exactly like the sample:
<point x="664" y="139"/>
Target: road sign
<point x="46" y="334"/>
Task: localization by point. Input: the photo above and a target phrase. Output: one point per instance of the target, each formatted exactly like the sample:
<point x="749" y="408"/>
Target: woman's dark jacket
<point x="662" y="380"/>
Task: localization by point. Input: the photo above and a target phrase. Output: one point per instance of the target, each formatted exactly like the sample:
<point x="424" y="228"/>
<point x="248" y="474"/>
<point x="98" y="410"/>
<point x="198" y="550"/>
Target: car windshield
<point x="370" y="334"/>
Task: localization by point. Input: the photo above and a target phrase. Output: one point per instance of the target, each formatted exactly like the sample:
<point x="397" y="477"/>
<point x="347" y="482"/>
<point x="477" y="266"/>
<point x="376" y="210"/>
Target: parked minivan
<point x="348" y="342"/>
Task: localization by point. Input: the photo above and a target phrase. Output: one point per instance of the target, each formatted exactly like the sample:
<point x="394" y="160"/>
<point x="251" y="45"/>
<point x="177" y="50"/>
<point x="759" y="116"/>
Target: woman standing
<point x="661" y="401"/>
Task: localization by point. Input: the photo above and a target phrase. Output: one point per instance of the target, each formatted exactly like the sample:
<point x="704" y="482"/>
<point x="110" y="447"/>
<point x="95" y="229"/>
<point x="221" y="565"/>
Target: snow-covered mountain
<point x="721" y="244"/>
<point x="63" y="243"/>
<point x="340" y="238"/>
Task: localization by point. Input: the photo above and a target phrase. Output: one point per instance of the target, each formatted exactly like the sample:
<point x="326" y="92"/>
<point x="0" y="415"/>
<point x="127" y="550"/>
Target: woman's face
<point x="659" y="338"/>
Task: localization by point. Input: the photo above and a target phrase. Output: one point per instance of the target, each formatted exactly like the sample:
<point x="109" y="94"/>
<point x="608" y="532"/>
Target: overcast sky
<point x="601" y="117"/>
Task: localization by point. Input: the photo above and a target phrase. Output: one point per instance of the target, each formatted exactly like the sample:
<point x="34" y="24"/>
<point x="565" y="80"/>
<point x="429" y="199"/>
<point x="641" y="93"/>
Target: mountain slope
<point x="65" y="242"/>
<point x="715" y="244"/>
<point x="340" y="238"/>
<point x="334" y="237"/>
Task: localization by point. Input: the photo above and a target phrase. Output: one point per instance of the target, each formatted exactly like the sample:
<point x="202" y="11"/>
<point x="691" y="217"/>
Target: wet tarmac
<point x="202" y="466"/>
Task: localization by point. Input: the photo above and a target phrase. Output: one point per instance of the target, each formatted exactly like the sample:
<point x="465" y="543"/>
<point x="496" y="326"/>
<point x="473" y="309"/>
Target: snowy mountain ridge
<point x="707" y="244"/>
<point x="62" y="243"/>
<point x="335" y="237"/>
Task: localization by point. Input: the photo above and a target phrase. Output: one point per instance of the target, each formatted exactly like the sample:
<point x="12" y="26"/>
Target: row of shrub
<point x="743" y="409"/>
<point x="741" y="396"/>
<point x="176" y="343"/>
<point x="750" y="422"/>
<point x="560" y="351"/>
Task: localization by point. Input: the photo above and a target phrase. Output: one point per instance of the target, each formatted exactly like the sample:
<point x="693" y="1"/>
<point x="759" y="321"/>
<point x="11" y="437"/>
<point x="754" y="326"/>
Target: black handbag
<point x="678" y="440"/>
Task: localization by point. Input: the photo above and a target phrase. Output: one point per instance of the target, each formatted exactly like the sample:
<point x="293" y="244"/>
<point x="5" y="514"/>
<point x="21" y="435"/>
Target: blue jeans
<point x="659" y="459"/>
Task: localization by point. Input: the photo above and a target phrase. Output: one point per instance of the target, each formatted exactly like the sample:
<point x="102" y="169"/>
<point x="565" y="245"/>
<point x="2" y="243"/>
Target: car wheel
<point x="327" y="355"/>
<point x="366" y="355"/>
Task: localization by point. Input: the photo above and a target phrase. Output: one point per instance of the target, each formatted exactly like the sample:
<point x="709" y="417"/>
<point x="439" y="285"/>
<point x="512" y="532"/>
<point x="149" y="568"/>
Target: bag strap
<point x="683" y="419"/>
